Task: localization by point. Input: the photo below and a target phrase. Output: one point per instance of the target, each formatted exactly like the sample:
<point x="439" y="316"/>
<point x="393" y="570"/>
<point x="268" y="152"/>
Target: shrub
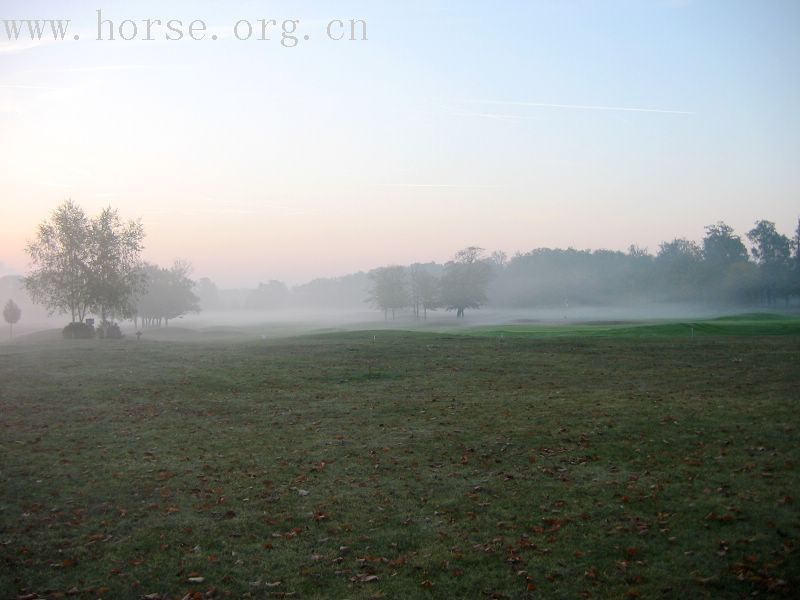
<point x="110" y="331"/>
<point x="78" y="331"/>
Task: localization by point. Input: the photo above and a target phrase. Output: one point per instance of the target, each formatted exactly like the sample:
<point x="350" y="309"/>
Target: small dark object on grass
<point x="138" y="335"/>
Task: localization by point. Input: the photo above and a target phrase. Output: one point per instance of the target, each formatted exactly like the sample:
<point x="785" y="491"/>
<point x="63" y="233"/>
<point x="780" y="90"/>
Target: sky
<point x="510" y="125"/>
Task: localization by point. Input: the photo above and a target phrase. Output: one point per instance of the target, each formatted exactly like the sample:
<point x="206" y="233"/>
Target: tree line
<point x="760" y="268"/>
<point x="718" y="270"/>
<point x="82" y="266"/>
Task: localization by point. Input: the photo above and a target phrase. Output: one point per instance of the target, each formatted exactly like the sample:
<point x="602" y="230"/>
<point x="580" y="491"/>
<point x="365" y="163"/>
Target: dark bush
<point x="110" y="331"/>
<point x="78" y="331"/>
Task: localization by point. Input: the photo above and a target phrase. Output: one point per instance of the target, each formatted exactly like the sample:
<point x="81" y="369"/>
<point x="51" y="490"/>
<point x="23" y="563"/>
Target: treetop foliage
<point x="61" y="258"/>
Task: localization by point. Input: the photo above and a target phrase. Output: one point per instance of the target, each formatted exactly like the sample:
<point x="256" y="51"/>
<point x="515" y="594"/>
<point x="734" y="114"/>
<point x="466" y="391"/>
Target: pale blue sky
<point x="459" y="122"/>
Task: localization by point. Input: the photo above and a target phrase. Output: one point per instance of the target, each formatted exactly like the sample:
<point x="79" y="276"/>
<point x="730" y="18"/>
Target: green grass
<point x="752" y="324"/>
<point x="396" y="464"/>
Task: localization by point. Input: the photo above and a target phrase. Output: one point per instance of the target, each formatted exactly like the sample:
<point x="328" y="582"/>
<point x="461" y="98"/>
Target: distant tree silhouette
<point x="679" y="267"/>
<point x="772" y="251"/>
<point x="273" y="294"/>
<point x="11" y="314"/>
<point x="722" y="247"/>
<point x="465" y="281"/>
<point x="429" y="292"/>
<point x="390" y="291"/>
<point x="335" y="292"/>
<point x="168" y="295"/>
<point x="726" y="273"/>
<point x="207" y="294"/>
<point x="796" y="261"/>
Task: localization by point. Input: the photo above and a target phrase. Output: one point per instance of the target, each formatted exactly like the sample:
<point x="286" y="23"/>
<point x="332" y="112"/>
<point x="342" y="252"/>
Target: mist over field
<point x="637" y="288"/>
<point x="92" y="268"/>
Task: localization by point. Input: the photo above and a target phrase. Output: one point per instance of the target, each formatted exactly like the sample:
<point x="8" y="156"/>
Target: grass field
<point x="751" y="324"/>
<point x="600" y="460"/>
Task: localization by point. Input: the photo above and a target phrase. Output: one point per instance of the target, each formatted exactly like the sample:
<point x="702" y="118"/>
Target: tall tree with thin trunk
<point x="11" y="313"/>
<point x="60" y="257"/>
<point x="428" y="291"/>
<point x="116" y="271"/>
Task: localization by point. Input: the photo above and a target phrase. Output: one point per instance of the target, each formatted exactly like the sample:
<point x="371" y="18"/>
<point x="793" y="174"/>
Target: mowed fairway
<point x="396" y="464"/>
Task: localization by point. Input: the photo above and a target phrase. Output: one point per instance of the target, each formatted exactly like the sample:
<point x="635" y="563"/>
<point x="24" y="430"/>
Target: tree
<point x="60" y="257"/>
<point x="498" y="260"/>
<point x="270" y="295"/>
<point x="115" y="269"/>
<point x="414" y="272"/>
<point x="389" y="289"/>
<point x="772" y="251"/>
<point x="465" y="280"/>
<point x="338" y="292"/>
<point x="639" y="271"/>
<point x="424" y="288"/>
<point x="722" y="247"/>
<point x="679" y="263"/>
<point x="11" y="313"/>
<point x="725" y="270"/>
<point x="208" y="294"/>
<point x="741" y="283"/>
<point x="796" y="260"/>
<point x="428" y="291"/>
<point x="81" y="265"/>
<point x="168" y="294"/>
